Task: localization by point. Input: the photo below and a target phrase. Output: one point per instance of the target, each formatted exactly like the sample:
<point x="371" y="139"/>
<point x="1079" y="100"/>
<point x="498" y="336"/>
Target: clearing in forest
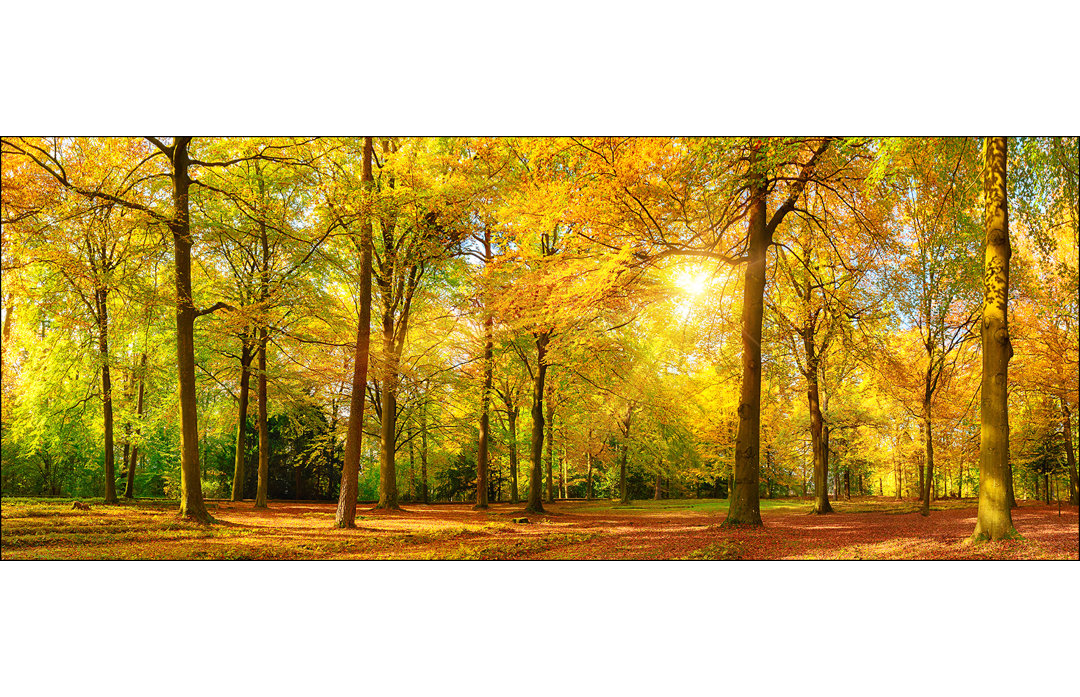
<point x="862" y="528"/>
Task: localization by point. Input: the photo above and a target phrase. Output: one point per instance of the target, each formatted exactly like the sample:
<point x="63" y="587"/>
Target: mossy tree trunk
<point x="994" y="519"/>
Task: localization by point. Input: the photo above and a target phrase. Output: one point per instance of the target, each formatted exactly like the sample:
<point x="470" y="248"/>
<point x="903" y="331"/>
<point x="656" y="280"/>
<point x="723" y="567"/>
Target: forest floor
<point x="861" y="528"/>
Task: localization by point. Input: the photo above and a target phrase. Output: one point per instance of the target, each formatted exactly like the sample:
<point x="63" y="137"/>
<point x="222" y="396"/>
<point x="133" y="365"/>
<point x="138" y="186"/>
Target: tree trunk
<point x="536" y="470"/>
<point x="927" y="477"/>
<point x="129" y="488"/>
<point x="1070" y="455"/>
<point x="512" y="416"/>
<point x="345" y="516"/>
<point x="485" y="401"/>
<point x="994" y="521"/>
<point x="485" y="398"/>
<point x="744" y="507"/>
<point x="241" y="426"/>
<point x="423" y="451"/>
<point x="821" y="464"/>
<point x="562" y="474"/>
<point x="388" y="494"/>
<point x="624" y="489"/>
<point x="588" y="479"/>
<point x="549" y="454"/>
<point x="101" y="297"/>
<point x="264" y="427"/>
<point x="192" y="505"/>
<point x="656" y="488"/>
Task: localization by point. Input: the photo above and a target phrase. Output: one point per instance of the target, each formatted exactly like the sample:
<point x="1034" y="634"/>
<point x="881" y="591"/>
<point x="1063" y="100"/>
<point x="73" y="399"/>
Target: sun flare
<point x="692" y="282"/>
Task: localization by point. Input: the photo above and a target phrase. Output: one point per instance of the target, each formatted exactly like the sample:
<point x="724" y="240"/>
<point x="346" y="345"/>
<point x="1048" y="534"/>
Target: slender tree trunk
<point x="549" y="443"/>
<point x="536" y="470"/>
<point x="1070" y="454"/>
<point x="192" y="505"/>
<point x="129" y="488"/>
<point x="485" y="398"/>
<point x="588" y="480"/>
<point x="994" y="521"/>
<point x="9" y="310"/>
<point x="512" y="416"/>
<point x="562" y="474"/>
<point x="241" y="425"/>
<point x="744" y="506"/>
<point x="423" y="452"/>
<point x="264" y="427"/>
<point x="624" y="484"/>
<point x="101" y="298"/>
<point x="624" y="489"/>
<point x="345" y="516"/>
<point x="656" y="488"/>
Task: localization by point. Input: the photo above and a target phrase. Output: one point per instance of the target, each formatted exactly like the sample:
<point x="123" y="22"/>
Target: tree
<point x="345" y="517"/>
<point x="994" y="521"/>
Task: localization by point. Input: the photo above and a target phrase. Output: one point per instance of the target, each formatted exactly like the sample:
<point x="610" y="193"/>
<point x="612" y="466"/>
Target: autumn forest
<point x="540" y="348"/>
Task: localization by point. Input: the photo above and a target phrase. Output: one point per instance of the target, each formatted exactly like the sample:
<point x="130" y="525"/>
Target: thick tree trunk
<point x="192" y="506"/>
<point x="241" y="424"/>
<point x="264" y="428"/>
<point x="129" y="488"/>
<point x="536" y="470"/>
<point x="744" y="507"/>
<point x="994" y="521"/>
<point x="388" y="493"/>
<point x="821" y="465"/>
<point x="345" y="516"/>
<point x="101" y="298"/>
<point x="512" y="416"/>
<point x="927" y="476"/>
